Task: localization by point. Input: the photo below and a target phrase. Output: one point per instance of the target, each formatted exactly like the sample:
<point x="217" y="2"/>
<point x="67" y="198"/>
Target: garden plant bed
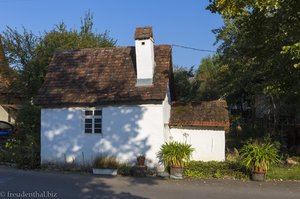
<point x="213" y="169"/>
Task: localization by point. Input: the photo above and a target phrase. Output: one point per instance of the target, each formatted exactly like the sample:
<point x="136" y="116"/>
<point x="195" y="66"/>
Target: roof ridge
<point x="66" y="51"/>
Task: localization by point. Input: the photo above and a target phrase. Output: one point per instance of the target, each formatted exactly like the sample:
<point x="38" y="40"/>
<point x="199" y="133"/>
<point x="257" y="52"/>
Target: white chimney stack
<point x="144" y="50"/>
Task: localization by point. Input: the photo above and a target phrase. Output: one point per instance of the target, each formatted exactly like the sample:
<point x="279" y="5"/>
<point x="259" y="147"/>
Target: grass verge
<point x="284" y="173"/>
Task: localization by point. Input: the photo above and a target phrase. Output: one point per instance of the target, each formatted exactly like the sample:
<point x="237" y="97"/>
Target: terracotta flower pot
<point x="141" y="161"/>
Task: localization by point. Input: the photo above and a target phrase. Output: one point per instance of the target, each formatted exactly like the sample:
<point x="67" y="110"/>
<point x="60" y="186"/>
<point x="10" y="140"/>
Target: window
<point x="93" y="121"/>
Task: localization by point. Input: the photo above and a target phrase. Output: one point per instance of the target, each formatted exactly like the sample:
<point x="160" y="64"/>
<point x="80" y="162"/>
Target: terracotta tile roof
<point x="202" y="114"/>
<point x="143" y="32"/>
<point x="98" y="76"/>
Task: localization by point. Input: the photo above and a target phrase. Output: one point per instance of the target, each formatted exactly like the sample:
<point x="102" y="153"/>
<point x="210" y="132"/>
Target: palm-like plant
<point x="175" y="154"/>
<point x="258" y="156"/>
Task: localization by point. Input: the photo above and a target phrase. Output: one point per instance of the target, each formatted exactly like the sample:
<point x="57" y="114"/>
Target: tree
<point x="234" y="8"/>
<point x="201" y="84"/>
<point x="260" y="53"/>
<point x="208" y="74"/>
<point x="258" y="38"/>
<point x="185" y="84"/>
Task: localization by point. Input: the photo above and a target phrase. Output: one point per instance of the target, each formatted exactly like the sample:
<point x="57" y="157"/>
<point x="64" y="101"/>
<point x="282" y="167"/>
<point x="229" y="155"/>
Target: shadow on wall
<point x="123" y="135"/>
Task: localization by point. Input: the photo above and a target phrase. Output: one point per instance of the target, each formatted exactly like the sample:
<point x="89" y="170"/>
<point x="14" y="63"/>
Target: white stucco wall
<point x="128" y="131"/>
<point x="166" y="114"/>
<point x="208" y="144"/>
<point x="167" y="107"/>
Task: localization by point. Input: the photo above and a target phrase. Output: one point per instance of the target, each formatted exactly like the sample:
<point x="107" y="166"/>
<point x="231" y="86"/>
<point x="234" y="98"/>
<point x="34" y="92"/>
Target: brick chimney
<point x="144" y="49"/>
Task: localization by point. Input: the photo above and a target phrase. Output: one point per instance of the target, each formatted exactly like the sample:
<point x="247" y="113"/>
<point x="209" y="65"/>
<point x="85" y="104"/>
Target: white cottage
<point x="109" y="101"/>
<point x="106" y="101"/>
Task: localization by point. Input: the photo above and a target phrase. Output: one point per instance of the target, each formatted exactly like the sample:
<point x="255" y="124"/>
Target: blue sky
<point x="181" y="22"/>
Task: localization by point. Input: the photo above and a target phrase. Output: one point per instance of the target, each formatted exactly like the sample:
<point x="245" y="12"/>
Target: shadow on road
<point x="97" y="187"/>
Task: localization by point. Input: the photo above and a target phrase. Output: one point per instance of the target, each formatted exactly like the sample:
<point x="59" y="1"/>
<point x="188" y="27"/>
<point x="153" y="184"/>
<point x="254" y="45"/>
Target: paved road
<point x="14" y="183"/>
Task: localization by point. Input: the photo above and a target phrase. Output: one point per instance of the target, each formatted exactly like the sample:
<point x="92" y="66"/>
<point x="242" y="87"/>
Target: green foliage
<point x="19" y="49"/>
<point x="175" y="154"/>
<point x="232" y="155"/>
<point x="212" y="169"/>
<point x="235" y="8"/>
<point x="102" y="162"/>
<point x="124" y="169"/>
<point x="259" y="60"/>
<point x="241" y="131"/>
<point x="198" y="85"/>
<point x="207" y="74"/>
<point x="185" y="86"/>
<point x="258" y="156"/>
<point x="260" y="49"/>
<point x="19" y="46"/>
<point x="8" y="153"/>
<point x="294" y="51"/>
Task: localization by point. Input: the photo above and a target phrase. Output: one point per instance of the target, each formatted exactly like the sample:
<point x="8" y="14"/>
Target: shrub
<point x="213" y="169"/>
<point x="8" y="151"/>
<point x="175" y="154"/>
<point x="105" y="163"/>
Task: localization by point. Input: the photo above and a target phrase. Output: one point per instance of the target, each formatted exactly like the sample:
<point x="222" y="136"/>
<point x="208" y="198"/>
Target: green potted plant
<point x="258" y="156"/>
<point x="140" y="160"/>
<point x="175" y="155"/>
<point x="105" y="166"/>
